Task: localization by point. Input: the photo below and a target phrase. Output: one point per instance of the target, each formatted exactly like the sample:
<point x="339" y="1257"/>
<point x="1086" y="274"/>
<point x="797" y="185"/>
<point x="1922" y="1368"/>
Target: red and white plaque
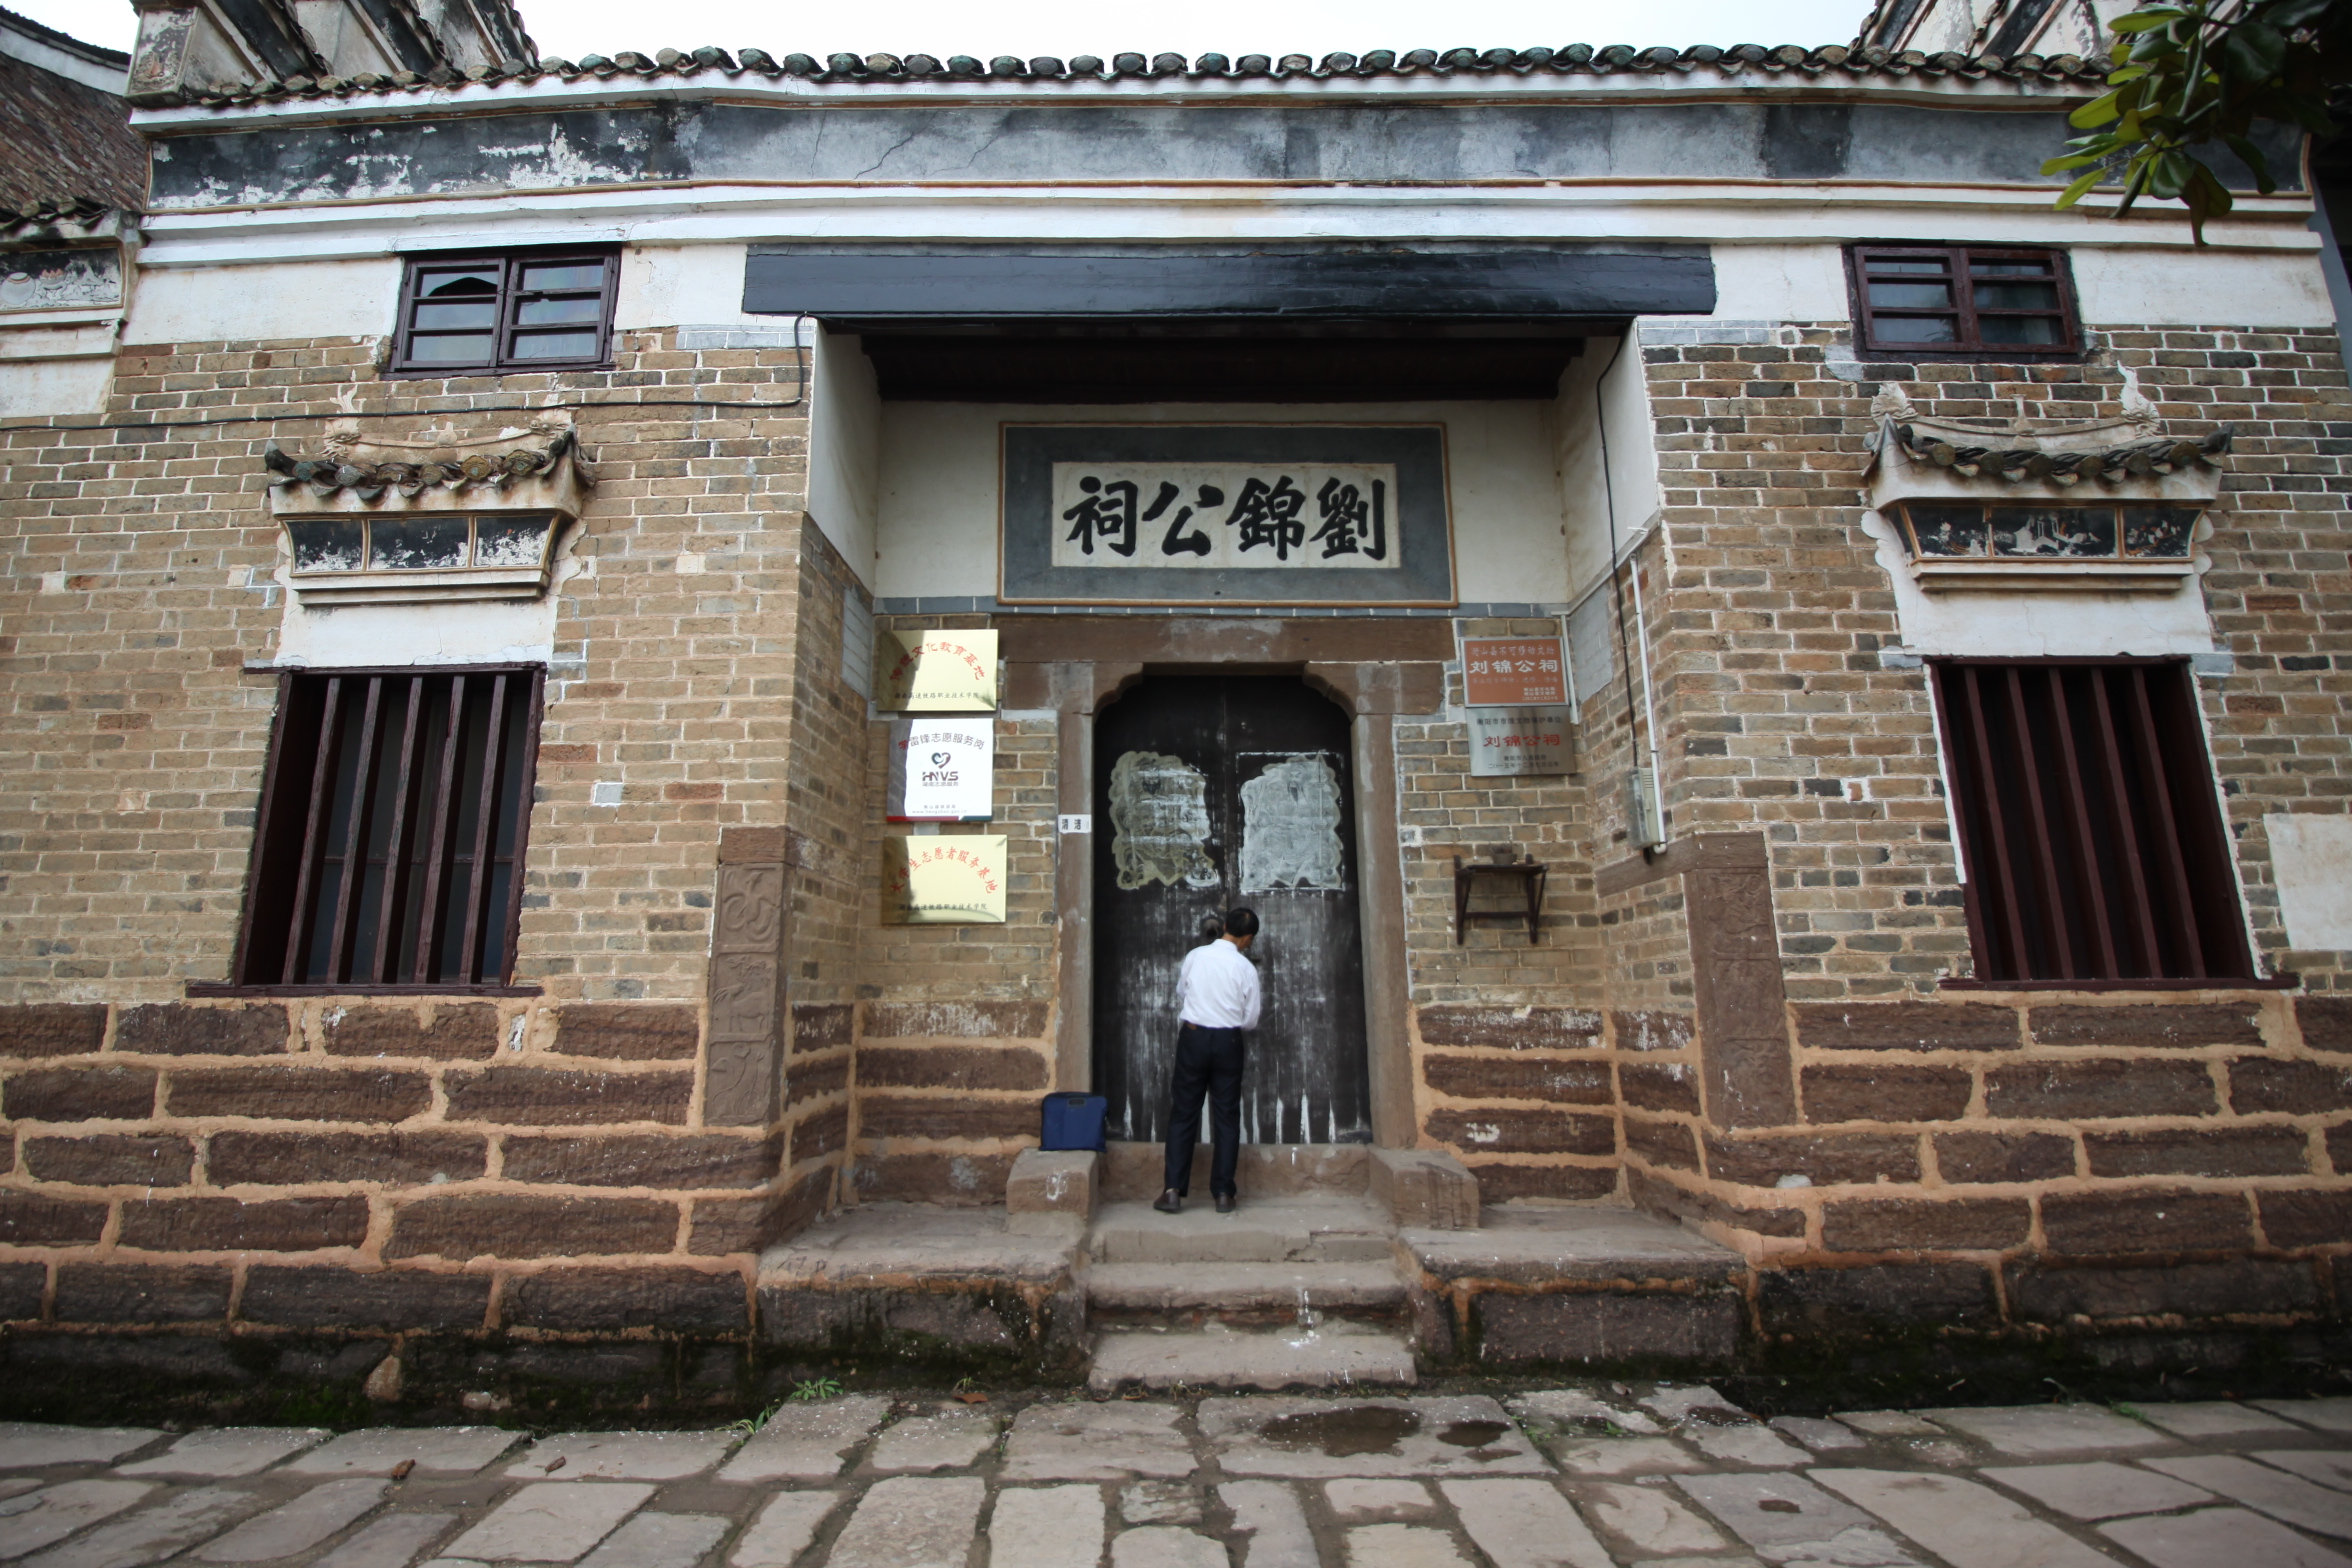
<point x="1513" y="672"/>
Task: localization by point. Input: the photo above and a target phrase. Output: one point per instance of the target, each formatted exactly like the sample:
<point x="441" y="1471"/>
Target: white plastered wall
<point x="845" y="455"/>
<point x="686" y="285"/>
<point x="939" y="486"/>
<point x="1630" y="481"/>
<point x="31" y="388"/>
<point x="265" y="302"/>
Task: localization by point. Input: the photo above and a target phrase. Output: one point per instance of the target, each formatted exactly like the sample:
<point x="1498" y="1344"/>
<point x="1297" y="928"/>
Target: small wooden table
<point x="1530" y="875"/>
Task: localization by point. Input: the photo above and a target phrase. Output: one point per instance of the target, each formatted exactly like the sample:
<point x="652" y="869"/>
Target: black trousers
<point x="1207" y="1060"/>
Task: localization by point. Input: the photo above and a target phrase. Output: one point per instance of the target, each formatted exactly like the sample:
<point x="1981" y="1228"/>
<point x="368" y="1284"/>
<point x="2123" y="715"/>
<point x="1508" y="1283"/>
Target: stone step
<point x="1334" y="1354"/>
<point x="1301" y="1231"/>
<point x="1134" y="1171"/>
<point x="1190" y="1294"/>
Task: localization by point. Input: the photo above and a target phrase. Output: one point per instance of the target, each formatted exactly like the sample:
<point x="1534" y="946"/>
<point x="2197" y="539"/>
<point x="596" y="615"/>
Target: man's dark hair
<point x="1241" y="922"/>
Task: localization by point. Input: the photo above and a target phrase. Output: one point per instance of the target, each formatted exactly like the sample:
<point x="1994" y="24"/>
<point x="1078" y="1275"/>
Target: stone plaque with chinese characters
<point x="941" y="770"/>
<point x="1499" y="672"/>
<point x="1226" y="514"/>
<point x="1218" y="516"/>
<point x="943" y="880"/>
<point x="935" y="672"/>
<point x="1515" y="742"/>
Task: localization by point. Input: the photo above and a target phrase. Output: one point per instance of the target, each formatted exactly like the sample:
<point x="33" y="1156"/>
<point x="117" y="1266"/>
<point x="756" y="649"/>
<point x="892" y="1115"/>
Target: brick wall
<point x="956" y="1027"/>
<point x="1982" y="1157"/>
<point x="534" y="1165"/>
<point x="1776" y="712"/>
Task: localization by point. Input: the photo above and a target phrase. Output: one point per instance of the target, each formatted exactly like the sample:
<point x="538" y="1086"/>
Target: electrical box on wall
<point x="1641" y="809"/>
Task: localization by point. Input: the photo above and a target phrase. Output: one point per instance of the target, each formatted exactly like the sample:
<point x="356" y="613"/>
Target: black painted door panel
<point x="1213" y="791"/>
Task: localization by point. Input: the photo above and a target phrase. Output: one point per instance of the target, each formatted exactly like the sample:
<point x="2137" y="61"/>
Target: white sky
<point x="1064" y="27"/>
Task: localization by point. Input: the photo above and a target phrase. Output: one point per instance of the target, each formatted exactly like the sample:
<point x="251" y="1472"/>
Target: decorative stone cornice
<point x="2018" y="461"/>
<point x="539" y="472"/>
<point x="432" y="520"/>
<point x="1916" y="459"/>
<point x="2113" y="505"/>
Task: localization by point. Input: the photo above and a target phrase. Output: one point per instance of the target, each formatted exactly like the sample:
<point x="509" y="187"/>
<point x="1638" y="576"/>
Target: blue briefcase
<point x="1072" y="1121"/>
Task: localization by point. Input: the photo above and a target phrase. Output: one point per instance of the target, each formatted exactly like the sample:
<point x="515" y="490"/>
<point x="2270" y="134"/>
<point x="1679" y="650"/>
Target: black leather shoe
<point x="1170" y="1202"/>
<point x="1227" y="1202"/>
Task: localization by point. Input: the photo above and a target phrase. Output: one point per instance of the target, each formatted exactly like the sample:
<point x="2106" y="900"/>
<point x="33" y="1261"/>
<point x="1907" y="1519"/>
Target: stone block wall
<point x="371" y="1164"/>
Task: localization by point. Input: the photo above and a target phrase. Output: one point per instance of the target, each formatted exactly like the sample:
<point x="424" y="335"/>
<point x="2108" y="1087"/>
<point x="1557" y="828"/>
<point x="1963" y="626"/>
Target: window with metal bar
<point x="2095" y="848"/>
<point x="394" y="810"/>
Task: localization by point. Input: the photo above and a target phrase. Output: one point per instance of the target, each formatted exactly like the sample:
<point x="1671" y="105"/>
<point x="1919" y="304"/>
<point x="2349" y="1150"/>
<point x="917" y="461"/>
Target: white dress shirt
<point x="1217" y="988"/>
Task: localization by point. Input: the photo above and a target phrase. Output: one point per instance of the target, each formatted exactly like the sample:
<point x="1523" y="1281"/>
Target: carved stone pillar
<point x="747" y="977"/>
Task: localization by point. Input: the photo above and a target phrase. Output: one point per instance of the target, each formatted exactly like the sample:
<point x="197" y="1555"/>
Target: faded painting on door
<point x="1211" y="792"/>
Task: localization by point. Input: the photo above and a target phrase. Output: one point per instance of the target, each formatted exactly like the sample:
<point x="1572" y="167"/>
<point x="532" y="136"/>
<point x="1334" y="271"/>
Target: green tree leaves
<point x="2195" y="72"/>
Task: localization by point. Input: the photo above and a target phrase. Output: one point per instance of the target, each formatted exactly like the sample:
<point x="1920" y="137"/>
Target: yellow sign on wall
<point x="943" y="881"/>
<point x="935" y="672"/>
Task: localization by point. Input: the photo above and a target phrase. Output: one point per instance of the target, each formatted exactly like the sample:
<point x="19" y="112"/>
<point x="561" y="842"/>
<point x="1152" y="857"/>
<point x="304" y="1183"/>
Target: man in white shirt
<point x="1216" y="1003"/>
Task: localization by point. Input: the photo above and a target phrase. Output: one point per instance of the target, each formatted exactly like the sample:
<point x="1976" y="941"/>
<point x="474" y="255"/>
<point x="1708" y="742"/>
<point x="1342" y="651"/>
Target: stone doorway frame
<point x="1376" y="669"/>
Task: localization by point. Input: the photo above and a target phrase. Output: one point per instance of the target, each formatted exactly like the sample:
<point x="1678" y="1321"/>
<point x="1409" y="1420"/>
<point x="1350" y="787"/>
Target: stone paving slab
<point x="298" y="1525"/>
<point x="950" y="1437"/>
<point x="1090" y="1442"/>
<point x="2220" y="1538"/>
<point x="2101" y="1489"/>
<point x="29" y="1445"/>
<point x="1564" y="1477"/>
<point x="1649" y="1519"/>
<point x="444" y="1450"/>
<point x="807" y="1442"/>
<point x="1964" y="1522"/>
<point x="393" y="1541"/>
<point x="551" y="1521"/>
<point x="1046" y="1527"/>
<point x="621" y="1456"/>
<point x="913" y="1522"/>
<point x="1524" y="1523"/>
<point x="28" y="1523"/>
<point x="2285" y="1497"/>
<point x="2326" y="1415"/>
<point x="228" y="1451"/>
<point x="2210" y="1419"/>
<point x="151" y="1534"/>
<point x="2049" y="1431"/>
<point x="2312" y="1464"/>
<point x="1789" y="1519"/>
<point x="1439" y="1435"/>
<point x="783" y="1529"/>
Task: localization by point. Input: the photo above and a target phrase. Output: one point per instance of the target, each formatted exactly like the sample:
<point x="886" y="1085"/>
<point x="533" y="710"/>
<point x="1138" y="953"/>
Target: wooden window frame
<point x="1970" y="346"/>
<point x="290" y="864"/>
<point x="2097" y="854"/>
<point x="510" y="264"/>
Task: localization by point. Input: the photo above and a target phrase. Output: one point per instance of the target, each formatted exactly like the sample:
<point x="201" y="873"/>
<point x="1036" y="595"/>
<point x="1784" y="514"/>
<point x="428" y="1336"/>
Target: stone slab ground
<point x="1599" y="1475"/>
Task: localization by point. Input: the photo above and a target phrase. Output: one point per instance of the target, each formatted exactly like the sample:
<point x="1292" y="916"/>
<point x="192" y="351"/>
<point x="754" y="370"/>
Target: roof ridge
<point x="1575" y="59"/>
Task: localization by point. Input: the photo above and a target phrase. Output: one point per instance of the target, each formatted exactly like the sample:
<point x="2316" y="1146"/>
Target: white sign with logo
<point x="942" y="770"/>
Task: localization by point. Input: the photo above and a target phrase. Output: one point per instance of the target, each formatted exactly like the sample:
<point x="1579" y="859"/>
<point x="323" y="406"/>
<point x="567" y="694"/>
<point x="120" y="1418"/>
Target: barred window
<point x="2095" y="849"/>
<point x="389" y="849"/>
<point x="528" y="310"/>
<point x="1972" y="301"/>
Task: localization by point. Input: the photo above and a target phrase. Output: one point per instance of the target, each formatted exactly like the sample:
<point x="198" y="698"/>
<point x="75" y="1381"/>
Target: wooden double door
<point x="1212" y="792"/>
